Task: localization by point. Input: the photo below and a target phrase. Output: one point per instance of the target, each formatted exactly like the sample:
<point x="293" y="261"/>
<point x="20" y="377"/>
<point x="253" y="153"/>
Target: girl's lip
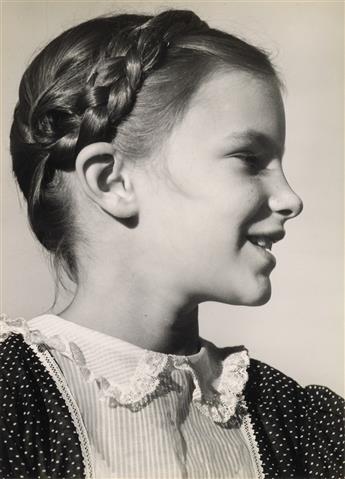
<point x="273" y="235"/>
<point x="267" y="255"/>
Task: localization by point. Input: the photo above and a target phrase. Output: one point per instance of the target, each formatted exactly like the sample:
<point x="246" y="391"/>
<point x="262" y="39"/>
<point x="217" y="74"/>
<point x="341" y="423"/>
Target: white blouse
<point x="153" y="415"/>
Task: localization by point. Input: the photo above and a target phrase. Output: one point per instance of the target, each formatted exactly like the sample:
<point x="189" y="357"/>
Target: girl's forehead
<point x="234" y="102"/>
<point x="236" y="91"/>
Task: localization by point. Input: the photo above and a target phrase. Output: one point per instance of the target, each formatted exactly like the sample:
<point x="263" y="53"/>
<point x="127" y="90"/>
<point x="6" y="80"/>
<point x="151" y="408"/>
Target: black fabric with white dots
<point x="37" y="435"/>
<point x="300" y="431"/>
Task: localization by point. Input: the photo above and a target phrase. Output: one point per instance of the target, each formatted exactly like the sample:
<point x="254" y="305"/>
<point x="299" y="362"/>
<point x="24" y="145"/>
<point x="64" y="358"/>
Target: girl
<point x="149" y="150"/>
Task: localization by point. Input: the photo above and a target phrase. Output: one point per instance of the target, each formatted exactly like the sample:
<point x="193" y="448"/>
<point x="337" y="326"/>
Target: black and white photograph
<point x="172" y="240"/>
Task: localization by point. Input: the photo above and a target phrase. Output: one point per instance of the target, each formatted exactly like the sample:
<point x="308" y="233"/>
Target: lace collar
<point x="219" y="375"/>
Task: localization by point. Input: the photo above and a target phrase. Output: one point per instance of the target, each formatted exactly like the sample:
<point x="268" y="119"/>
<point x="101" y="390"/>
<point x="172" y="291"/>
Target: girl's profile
<point x="149" y="151"/>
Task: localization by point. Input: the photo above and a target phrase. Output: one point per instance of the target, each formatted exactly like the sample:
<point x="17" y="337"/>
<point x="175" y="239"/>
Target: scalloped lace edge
<point x="221" y="405"/>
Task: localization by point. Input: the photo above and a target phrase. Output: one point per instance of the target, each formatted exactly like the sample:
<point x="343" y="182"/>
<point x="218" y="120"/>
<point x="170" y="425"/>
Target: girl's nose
<point x="285" y="201"/>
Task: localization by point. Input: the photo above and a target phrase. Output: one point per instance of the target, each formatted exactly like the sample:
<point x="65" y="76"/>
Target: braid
<point x="111" y="88"/>
<point x="109" y="97"/>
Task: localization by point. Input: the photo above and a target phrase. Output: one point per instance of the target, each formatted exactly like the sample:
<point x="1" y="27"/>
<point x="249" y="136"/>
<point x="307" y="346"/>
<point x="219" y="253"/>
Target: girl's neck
<point x="147" y="315"/>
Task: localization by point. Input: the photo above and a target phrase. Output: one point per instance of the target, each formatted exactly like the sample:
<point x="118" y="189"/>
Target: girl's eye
<point x="251" y="161"/>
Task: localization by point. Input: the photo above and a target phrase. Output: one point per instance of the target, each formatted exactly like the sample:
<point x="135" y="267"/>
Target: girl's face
<point x="225" y="190"/>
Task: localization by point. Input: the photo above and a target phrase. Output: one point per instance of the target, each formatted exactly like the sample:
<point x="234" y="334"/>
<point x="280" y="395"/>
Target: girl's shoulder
<point x="268" y="383"/>
<point x="38" y="415"/>
<point x="265" y="379"/>
<point x="296" y="425"/>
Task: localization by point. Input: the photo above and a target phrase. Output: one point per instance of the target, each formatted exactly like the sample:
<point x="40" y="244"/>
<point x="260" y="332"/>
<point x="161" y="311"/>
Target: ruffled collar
<point x="219" y="375"/>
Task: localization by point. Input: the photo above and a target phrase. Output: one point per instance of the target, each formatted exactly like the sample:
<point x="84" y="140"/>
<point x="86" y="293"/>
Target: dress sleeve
<point x="322" y="433"/>
<point x="299" y="430"/>
<point x="38" y="438"/>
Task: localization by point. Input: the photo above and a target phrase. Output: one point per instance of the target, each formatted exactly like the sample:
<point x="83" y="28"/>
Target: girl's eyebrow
<point x="258" y="139"/>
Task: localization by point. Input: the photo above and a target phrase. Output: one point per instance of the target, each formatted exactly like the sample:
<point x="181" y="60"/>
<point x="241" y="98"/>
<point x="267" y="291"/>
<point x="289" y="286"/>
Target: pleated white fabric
<point x="168" y="437"/>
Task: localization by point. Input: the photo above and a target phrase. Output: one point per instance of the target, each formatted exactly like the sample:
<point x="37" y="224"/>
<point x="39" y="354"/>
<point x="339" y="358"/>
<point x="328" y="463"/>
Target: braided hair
<point x="125" y="79"/>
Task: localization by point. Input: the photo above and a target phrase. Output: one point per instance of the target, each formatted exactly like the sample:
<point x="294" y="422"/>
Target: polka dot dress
<point x="37" y="436"/>
<point x="300" y="431"/>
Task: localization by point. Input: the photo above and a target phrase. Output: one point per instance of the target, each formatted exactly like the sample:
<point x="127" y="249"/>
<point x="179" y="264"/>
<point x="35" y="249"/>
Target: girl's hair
<point x="125" y="79"/>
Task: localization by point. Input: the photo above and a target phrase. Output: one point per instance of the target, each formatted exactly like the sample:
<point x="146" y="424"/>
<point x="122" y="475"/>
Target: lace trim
<point x="223" y="403"/>
<point x="55" y="373"/>
<point x="226" y="401"/>
<point x="250" y="433"/>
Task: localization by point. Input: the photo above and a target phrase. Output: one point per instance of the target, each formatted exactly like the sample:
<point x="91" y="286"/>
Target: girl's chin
<point x="254" y="298"/>
<point x="260" y="296"/>
<point x="260" y="301"/>
<point x="254" y="291"/>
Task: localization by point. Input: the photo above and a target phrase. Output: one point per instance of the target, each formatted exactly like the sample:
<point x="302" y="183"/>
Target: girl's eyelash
<point x="251" y="160"/>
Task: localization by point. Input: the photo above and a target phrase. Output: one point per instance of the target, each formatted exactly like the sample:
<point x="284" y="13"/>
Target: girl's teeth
<point x="263" y="243"/>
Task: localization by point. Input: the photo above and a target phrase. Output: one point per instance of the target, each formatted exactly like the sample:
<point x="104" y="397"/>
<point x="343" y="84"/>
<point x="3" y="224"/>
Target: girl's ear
<point x="106" y="180"/>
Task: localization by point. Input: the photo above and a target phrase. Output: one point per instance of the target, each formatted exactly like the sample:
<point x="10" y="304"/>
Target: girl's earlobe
<point x="106" y="180"/>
